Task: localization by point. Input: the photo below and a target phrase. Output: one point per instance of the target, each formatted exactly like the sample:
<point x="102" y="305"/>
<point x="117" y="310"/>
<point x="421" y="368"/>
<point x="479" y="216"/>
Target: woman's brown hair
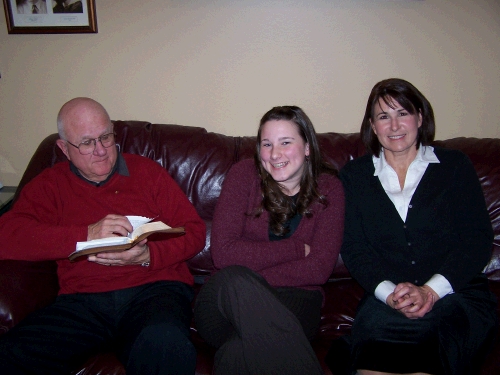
<point x="410" y="98"/>
<point x="281" y="207"/>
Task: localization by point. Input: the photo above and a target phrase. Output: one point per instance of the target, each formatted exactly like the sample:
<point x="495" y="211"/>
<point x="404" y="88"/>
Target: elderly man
<point x="138" y="301"/>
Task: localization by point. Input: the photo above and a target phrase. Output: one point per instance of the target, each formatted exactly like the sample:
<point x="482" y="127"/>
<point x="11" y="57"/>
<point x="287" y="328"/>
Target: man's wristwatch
<point x="145" y="264"/>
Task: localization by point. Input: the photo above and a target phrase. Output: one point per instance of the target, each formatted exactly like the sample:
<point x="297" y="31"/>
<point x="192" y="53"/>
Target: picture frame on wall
<point x="50" y="16"/>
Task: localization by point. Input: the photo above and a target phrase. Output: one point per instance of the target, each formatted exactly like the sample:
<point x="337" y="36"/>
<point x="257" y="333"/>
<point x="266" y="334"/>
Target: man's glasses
<point x="88" y="145"/>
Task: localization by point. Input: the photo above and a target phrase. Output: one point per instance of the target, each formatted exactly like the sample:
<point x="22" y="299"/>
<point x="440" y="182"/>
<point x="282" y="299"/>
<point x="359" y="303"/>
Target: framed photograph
<point x="50" y="16"/>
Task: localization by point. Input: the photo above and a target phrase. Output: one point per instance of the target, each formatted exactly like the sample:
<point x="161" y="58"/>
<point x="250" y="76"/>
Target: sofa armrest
<point x="25" y="287"/>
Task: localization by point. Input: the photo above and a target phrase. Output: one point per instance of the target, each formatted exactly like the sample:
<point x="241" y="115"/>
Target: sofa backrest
<point x="199" y="161"/>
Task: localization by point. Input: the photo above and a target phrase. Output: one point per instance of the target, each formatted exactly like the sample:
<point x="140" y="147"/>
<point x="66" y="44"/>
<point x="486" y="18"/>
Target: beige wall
<point x="222" y="64"/>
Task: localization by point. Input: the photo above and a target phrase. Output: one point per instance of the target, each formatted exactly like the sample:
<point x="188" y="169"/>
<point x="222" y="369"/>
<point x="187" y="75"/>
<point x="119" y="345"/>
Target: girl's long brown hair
<point x="280" y="206"/>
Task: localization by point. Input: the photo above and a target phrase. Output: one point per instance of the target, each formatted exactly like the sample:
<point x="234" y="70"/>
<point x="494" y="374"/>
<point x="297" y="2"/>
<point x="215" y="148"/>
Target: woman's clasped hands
<point x="411" y="300"/>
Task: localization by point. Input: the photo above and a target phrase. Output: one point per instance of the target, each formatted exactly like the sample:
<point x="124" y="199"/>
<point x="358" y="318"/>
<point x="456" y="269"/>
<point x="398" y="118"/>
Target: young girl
<point x="276" y="236"/>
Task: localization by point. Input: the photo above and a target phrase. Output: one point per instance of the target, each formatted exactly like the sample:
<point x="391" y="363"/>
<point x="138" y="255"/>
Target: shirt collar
<point x="425" y="154"/>
<point x="120" y="167"/>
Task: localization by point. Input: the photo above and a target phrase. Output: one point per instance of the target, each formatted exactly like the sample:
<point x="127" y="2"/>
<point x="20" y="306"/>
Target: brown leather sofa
<point x="198" y="161"/>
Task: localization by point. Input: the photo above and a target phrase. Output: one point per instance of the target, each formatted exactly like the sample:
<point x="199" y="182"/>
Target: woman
<point x="417" y="237"/>
<point x="276" y="236"/>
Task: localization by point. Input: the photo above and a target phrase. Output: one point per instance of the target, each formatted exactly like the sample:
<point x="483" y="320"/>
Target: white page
<point x="136" y="221"/>
<point x="101" y="242"/>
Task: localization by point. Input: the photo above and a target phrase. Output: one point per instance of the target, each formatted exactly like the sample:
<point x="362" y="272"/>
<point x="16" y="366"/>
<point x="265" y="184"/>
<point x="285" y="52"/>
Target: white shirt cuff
<point x="383" y="290"/>
<point x="440" y="285"/>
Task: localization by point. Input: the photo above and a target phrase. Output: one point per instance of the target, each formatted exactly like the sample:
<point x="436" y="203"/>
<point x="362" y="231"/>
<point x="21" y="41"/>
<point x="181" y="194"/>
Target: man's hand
<point x="110" y="226"/>
<point x="135" y="256"/>
<point x="411" y="300"/>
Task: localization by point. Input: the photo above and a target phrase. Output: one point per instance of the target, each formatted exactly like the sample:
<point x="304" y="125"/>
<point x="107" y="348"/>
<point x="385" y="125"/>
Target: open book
<point x="142" y="229"/>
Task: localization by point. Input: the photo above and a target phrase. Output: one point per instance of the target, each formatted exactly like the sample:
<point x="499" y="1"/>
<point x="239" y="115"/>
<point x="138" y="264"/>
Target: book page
<point x="137" y="221"/>
<point x="148" y="227"/>
<point x="109" y="241"/>
<point x="122" y="243"/>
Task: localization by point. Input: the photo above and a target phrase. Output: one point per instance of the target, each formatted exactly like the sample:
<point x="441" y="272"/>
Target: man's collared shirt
<point x="120" y="168"/>
<point x="27" y="7"/>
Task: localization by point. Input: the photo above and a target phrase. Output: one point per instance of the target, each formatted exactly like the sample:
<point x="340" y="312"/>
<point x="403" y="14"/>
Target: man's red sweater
<point x="55" y="209"/>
